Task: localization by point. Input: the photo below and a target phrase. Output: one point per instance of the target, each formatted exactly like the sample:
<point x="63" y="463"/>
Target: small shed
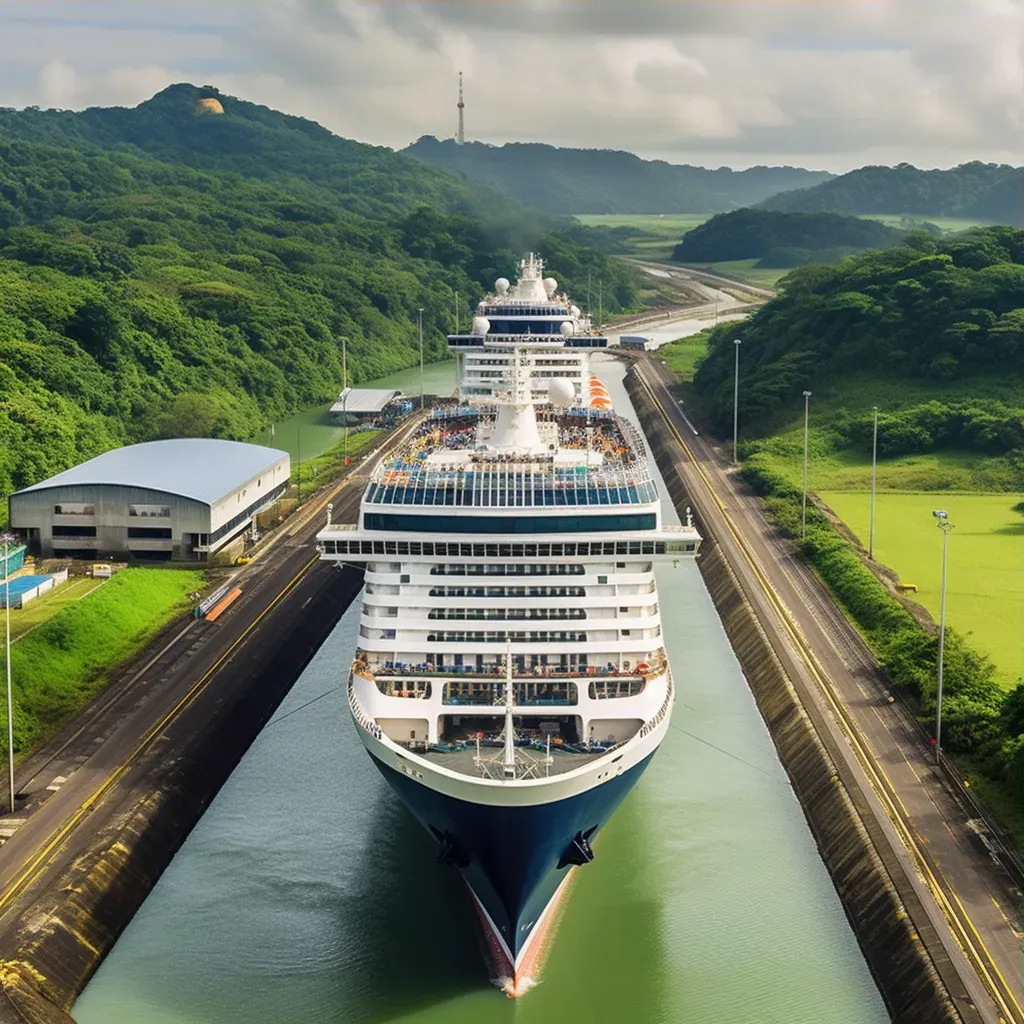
<point x="365" y="405"/>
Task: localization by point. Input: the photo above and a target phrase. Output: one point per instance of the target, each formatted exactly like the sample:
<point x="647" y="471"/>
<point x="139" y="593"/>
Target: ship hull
<point x="513" y="857"/>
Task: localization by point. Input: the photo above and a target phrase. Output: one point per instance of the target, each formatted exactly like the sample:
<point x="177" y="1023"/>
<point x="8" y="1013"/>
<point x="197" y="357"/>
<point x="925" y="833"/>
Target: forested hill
<point x="564" y="181"/>
<point x="988" y="192"/>
<point x="142" y="298"/>
<point x="928" y="310"/>
<point x="778" y="239"/>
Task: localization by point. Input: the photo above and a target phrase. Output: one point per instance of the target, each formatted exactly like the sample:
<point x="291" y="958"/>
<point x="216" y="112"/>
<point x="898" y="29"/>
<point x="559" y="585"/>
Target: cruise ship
<point x="510" y="680"/>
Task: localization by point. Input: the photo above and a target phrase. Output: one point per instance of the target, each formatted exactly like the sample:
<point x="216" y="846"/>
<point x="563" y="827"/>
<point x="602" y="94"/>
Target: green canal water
<point x="311" y="432"/>
<point x="307" y="895"/>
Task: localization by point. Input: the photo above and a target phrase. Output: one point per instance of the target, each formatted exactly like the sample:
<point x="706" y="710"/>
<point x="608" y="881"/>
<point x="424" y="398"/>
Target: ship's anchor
<point x="579" y="850"/>
<point x="449" y="850"/>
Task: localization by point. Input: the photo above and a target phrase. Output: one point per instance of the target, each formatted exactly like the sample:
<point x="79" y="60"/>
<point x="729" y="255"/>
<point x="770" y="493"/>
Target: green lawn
<point x="683" y="355"/>
<point x="42" y="608"/>
<point x="985" y="588"/>
<point x="58" y="667"/>
<point x="648" y="235"/>
<point x="949" y="224"/>
<point x="748" y="270"/>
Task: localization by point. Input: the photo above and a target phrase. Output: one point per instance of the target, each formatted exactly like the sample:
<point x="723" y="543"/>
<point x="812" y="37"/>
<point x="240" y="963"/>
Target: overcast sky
<point x="811" y="82"/>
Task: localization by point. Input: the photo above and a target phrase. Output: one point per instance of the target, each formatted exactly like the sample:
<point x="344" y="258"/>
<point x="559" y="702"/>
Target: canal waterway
<point x="310" y="432"/>
<point x="307" y="895"/>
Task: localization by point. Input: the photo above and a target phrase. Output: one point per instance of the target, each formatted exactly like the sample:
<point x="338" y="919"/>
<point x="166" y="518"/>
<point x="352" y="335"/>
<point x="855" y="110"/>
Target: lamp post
<point x="736" y="401"/>
<point x="874" y="483"/>
<point x="344" y="390"/>
<point x="7" y="538"/>
<point x="421" y="357"/>
<point x="803" y="515"/>
<point x="945" y="526"/>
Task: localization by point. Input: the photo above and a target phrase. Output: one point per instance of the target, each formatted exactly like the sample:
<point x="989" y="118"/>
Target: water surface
<point x="307" y="895"/>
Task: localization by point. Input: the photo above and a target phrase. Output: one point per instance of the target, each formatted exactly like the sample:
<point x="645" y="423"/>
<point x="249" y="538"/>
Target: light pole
<point x="945" y="526"/>
<point x="736" y="401"/>
<point x="344" y="389"/>
<point x="7" y="538"/>
<point x="803" y="515"/>
<point x="421" y="357"/>
<point x="874" y="482"/>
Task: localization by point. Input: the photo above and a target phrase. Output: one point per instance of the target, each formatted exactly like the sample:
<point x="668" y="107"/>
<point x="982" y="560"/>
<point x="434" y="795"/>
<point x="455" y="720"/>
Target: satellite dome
<point x="550" y="286"/>
<point x="561" y="392"/>
<point x="575" y="310"/>
<point x="568" y="328"/>
<point x="209" y="106"/>
<point x="481" y="325"/>
<point x="501" y="285"/>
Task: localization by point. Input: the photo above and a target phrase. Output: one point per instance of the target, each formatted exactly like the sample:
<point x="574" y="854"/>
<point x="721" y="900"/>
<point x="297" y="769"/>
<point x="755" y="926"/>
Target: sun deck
<point x="594" y="459"/>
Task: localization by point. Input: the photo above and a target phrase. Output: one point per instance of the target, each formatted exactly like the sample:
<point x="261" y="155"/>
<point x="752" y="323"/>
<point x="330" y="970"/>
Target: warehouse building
<point x="180" y="500"/>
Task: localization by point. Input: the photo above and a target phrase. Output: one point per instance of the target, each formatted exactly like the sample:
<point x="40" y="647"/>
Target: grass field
<point x="683" y="355"/>
<point x="747" y="270"/>
<point x="49" y="604"/>
<point x="948" y="224"/>
<point x="650" y="235"/>
<point x="985" y="584"/>
<point x="58" y="667"/>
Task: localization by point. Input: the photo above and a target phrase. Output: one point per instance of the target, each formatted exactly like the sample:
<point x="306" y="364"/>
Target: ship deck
<point x="464" y="761"/>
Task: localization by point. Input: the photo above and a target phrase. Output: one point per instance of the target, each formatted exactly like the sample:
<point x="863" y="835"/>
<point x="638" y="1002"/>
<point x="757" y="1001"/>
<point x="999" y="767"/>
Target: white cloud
<point x="834" y="84"/>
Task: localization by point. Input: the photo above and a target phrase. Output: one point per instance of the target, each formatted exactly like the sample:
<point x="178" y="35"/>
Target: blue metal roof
<point x="201" y="468"/>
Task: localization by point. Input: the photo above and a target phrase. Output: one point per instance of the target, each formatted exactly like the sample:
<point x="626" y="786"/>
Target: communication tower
<point x="461" y="137"/>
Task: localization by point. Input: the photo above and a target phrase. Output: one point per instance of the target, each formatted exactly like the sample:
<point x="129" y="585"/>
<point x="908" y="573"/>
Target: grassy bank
<point x="313" y="473"/>
<point x="684" y="354"/>
<point x="36" y="612"/>
<point x="985" y="600"/>
<point x="63" y="663"/>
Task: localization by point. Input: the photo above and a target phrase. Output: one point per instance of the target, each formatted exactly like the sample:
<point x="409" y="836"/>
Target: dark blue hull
<point x="514" y="858"/>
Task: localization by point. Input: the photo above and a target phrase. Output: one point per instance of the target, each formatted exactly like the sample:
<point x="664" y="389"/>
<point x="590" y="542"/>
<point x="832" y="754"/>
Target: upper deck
<point x="592" y="458"/>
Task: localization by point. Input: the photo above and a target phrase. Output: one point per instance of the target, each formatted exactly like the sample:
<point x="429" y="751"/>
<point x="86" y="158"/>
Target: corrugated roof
<point x="201" y="468"/>
<point x="364" y="399"/>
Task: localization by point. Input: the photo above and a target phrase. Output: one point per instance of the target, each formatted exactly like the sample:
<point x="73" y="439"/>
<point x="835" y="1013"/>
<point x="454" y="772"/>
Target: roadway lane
<point x="954" y="861"/>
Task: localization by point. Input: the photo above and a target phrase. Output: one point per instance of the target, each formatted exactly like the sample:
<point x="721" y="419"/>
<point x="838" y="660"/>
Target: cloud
<point x="820" y="82"/>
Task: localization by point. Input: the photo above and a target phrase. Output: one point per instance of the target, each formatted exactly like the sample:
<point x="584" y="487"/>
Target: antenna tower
<point x="461" y="137"/>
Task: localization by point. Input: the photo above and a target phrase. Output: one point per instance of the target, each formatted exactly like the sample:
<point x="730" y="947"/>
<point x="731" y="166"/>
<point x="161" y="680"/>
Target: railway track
<point x="960" y="925"/>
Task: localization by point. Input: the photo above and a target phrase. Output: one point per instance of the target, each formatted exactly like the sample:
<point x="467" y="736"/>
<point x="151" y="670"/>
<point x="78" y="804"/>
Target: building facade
<point x="177" y="500"/>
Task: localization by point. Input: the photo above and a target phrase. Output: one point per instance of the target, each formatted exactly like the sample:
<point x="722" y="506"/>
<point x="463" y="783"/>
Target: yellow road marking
<point x="39" y="861"/>
<point x="961" y="926"/>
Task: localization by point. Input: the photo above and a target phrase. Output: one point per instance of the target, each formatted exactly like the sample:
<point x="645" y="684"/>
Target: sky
<point x="831" y="84"/>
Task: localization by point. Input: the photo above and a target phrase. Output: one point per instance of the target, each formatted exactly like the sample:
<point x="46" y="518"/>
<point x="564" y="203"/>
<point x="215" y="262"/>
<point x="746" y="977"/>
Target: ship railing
<point x="652" y="723"/>
<point x="538" y="673"/>
<point x="359" y="712"/>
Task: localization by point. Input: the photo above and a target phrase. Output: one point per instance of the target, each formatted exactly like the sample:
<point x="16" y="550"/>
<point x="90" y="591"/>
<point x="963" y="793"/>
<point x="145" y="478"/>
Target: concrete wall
<point x="902" y="950"/>
<point x="74" y="924"/>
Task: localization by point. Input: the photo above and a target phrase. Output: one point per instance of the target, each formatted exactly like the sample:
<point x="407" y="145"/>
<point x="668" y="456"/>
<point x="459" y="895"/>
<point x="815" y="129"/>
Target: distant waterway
<point x="307" y="895"/>
<point x="310" y="432"/>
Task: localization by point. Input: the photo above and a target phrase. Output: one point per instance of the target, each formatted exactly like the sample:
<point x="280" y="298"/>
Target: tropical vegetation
<point x="986" y="192"/>
<point x="164" y="273"/>
<point x="932" y="331"/>
<point x="780" y="240"/>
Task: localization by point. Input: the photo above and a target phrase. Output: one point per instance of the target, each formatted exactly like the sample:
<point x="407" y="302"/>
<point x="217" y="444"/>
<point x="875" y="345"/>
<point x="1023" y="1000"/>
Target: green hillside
<point x="778" y="239"/>
<point x="991" y="193"/>
<point x="939" y="310"/>
<point x="206" y="292"/>
<point x="592" y="181"/>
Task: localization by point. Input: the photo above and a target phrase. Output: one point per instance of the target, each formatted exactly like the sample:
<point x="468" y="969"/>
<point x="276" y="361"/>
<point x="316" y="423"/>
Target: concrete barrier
<point x="895" y="936"/>
<point x="74" y="924"/>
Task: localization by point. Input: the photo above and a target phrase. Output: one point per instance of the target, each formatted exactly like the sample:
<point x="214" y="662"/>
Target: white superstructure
<point x="511" y="650"/>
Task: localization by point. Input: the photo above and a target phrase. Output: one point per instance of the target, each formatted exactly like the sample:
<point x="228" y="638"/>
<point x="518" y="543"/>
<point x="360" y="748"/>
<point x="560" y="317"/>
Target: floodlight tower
<point x="461" y="137"/>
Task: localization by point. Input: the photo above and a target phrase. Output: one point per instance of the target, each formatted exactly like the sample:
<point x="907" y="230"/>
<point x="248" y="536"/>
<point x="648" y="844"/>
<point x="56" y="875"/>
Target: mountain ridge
<point x="592" y="181"/>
